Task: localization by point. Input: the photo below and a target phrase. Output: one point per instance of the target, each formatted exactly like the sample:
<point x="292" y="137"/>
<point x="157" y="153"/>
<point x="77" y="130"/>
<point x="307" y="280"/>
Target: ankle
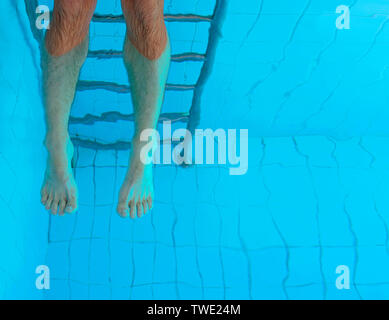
<point x="56" y="141"/>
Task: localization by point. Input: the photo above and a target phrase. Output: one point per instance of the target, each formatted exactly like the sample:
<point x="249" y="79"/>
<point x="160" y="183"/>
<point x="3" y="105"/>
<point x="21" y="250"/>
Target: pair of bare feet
<point x="59" y="192"/>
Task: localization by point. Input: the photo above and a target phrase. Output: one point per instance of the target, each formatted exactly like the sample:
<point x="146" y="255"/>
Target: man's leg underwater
<point x="66" y="47"/>
<point x="147" y="58"/>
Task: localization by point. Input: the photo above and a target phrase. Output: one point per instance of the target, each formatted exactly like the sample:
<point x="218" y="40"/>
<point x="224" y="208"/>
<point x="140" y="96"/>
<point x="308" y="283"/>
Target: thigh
<point x="144" y="10"/>
<point x="75" y="11"/>
<point x="69" y="25"/>
<point x="145" y="26"/>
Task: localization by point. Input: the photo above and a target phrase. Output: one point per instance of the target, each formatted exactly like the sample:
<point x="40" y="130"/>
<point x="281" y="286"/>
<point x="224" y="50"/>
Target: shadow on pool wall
<point x="23" y="222"/>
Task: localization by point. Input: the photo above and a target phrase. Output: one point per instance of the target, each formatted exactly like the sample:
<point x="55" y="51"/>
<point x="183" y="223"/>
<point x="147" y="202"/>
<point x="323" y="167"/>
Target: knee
<point x="70" y="25"/>
<point x="143" y="10"/>
<point x="145" y="26"/>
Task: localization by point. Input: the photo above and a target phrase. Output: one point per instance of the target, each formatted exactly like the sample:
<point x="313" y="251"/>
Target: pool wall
<point x="311" y="201"/>
<point x="23" y="222"/>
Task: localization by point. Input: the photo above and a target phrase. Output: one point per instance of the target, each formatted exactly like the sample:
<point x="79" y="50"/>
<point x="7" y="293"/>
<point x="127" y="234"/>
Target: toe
<point x="44" y="196"/>
<point x="49" y="201"/>
<point x="71" y="205"/>
<point x="139" y="208"/>
<point x="54" y="206"/>
<point x="123" y="213"/>
<point x="132" y="209"/>
<point x="62" y="205"/>
<point x="122" y="210"/>
<point x="144" y="204"/>
<point x="150" y="202"/>
<point x="126" y="212"/>
<point x="69" y="208"/>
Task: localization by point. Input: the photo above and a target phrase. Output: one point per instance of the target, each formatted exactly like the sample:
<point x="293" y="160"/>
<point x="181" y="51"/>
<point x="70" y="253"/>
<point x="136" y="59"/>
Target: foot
<point x="137" y="192"/>
<point x="59" y="190"/>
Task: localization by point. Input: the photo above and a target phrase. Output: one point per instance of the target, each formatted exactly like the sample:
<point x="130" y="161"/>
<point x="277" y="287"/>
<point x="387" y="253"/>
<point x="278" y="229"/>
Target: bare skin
<point x="146" y="57"/>
<point x="66" y="47"/>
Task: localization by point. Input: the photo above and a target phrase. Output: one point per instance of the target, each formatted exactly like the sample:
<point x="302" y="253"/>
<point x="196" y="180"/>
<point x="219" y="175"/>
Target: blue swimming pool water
<point x="314" y="99"/>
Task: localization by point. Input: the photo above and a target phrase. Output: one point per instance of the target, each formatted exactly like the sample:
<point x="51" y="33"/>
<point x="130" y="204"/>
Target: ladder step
<point x="108" y="54"/>
<point x="110" y="18"/>
<point x="114" y="116"/>
<point x="84" y="85"/>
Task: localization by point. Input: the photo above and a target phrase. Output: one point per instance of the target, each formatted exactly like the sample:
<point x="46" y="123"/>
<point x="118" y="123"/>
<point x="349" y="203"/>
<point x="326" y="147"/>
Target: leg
<point x="66" y="47"/>
<point x="147" y="58"/>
